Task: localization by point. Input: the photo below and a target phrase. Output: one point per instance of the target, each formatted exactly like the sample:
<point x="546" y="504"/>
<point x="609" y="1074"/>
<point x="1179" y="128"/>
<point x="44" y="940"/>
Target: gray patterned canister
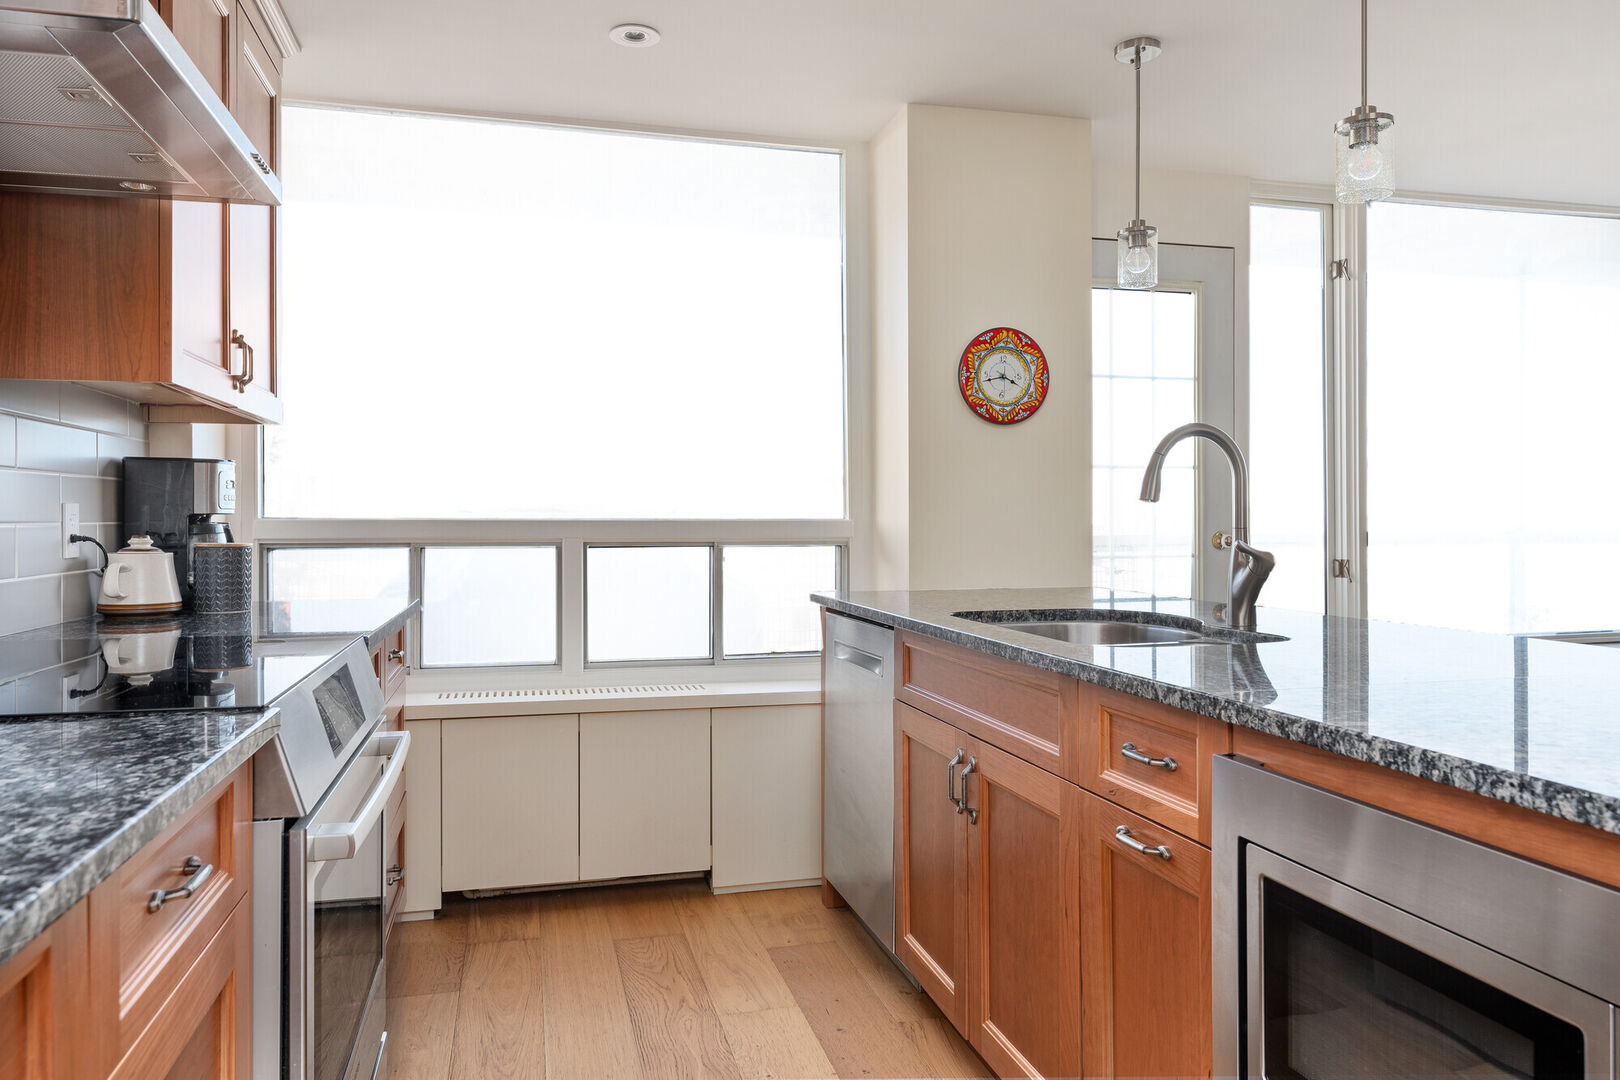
<point x="222" y="577"/>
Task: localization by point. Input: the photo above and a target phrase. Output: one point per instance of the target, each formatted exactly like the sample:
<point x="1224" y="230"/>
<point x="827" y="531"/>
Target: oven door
<point x="336" y="993"/>
<point x="1340" y="984"/>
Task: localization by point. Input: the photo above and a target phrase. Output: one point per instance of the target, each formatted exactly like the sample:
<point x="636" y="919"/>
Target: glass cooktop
<point x="179" y="663"/>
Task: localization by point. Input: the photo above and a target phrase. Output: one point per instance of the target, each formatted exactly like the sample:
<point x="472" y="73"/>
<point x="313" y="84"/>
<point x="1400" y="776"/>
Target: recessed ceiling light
<point x="634" y="35"/>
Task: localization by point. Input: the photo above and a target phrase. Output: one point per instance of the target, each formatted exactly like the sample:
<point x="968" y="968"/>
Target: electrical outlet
<point x="70" y="526"/>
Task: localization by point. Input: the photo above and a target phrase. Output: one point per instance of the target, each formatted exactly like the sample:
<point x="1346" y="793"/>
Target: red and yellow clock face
<point x="1003" y="375"/>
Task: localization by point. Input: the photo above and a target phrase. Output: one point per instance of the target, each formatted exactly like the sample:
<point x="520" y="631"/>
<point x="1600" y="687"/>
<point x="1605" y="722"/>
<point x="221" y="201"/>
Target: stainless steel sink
<point x="1113" y="628"/>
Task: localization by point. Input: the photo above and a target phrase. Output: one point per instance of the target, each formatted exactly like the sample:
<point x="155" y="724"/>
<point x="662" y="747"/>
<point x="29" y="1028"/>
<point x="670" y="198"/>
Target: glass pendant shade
<point x="1138" y="256"/>
<point x="1364" y="156"/>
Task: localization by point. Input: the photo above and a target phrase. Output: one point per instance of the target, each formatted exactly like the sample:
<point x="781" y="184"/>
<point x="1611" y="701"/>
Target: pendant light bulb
<point x="1138" y="266"/>
<point x="1364" y="147"/>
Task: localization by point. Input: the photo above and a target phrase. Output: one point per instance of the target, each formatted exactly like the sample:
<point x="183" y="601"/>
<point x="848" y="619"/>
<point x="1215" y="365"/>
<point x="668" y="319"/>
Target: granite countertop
<point x="81" y="795"/>
<point x="1528" y="721"/>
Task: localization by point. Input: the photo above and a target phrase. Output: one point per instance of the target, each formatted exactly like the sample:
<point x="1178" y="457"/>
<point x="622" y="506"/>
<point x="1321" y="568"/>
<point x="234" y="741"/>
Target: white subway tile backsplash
<point x="30" y="602"/>
<point x="8" y="551"/>
<point x="56" y="448"/>
<point x="111" y="450"/>
<point x="97" y="498"/>
<point x="8" y="440"/>
<point x="31" y="398"/>
<point x="79" y="592"/>
<point x="39" y="551"/>
<point x="89" y="408"/>
<point x="29" y="496"/>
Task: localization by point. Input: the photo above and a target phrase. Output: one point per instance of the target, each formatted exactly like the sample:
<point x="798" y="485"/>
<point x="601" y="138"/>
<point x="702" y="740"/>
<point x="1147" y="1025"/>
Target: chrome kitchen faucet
<point x="1247" y="566"/>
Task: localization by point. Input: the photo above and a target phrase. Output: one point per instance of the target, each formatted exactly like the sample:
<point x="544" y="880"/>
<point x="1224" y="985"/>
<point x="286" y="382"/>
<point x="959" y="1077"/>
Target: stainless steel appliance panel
<point x="858" y="771"/>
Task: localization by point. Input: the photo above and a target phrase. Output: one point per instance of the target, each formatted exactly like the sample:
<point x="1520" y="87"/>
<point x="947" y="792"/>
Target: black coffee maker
<point x="179" y="502"/>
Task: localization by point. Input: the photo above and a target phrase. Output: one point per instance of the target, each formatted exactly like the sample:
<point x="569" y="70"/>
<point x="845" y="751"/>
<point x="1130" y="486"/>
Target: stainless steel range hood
<point x="97" y="97"/>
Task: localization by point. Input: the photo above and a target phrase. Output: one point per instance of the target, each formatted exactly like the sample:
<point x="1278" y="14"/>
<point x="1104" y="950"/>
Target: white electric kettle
<point x="139" y="580"/>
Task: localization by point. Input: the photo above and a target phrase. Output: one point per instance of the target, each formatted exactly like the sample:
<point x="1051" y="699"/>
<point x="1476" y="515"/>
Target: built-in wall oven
<point x="1351" y="942"/>
<point x="321" y="789"/>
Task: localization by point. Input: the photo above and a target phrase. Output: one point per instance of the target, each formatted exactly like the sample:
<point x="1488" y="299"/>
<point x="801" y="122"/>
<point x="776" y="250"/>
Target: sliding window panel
<point x="767" y="608"/>
<point x="314" y="590"/>
<point x="489" y="605"/>
<point x="647" y="604"/>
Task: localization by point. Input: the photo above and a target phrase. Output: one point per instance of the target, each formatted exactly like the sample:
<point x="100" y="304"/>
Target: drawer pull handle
<point x="961" y="802"/>
<point x="1137" y="846"/>
<point x="396" y="874"/>
<point x="950" y="778"/>
<point x="396" y="654"/>
<point x="194" y="868"/>
<point x="1168" y="764"/>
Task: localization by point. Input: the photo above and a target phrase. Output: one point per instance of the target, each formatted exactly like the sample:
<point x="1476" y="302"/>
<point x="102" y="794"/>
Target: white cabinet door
<point x="510" y="801"/>
<point x="767" y="795"/>
<point x="644" y="793"/>
<point x="422" y="889"/>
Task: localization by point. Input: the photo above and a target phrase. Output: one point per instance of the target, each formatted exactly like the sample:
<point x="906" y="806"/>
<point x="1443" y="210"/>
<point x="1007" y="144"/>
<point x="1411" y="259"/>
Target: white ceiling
<point x="1491" y="97"/>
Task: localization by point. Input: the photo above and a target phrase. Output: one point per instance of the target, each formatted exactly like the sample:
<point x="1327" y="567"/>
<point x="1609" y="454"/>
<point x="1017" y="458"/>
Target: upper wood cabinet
<point x="170" y="303"/>
<point x="988" y="895"/>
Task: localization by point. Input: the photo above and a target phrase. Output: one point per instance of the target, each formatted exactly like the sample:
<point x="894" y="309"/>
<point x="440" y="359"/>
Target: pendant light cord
<point x="1363" y="54"/>
<point x="1137" y="64"/>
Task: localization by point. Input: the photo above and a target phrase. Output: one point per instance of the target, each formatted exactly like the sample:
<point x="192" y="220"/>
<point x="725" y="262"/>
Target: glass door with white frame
<point x="1160" y="359"/>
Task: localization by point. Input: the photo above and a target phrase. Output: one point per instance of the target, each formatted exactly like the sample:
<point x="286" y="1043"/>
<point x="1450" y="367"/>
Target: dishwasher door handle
<point x="859" y="657"/>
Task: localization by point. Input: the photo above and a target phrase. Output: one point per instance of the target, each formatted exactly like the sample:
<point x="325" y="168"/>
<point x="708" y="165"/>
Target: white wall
<point x="991" y="212"/>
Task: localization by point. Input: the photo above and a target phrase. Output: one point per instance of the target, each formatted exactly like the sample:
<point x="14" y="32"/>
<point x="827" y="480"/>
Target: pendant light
<point x="1364" y="145"/>
<point x="1138" y="241"/>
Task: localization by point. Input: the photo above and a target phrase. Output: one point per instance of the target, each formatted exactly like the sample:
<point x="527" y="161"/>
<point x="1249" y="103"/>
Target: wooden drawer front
<point x="392" y="658"/>
<point x="1175" y="797"/>
<point x="205" y="1028"/>
<point x="138" y="956"/>
<point x="1027" y="712"/>
<point x="394" y="856"/>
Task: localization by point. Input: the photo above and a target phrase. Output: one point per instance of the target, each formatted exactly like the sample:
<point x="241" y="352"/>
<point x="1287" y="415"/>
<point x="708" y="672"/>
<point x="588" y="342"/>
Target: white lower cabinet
<point x="423" y="790"/>
<point x="767" y="796"/>
<point x="643" y="793"/>
<point x="510" y="802"/>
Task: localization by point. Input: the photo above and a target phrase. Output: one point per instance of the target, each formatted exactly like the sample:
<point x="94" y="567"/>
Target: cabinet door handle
<point x="950" y="777"/>
<point x="396" y="874"/>
<point x="246" y="377"/>
<point x="1168" y="764"/>
<point x="194" y="868"/>
<point x="396" y="654"/>
<point x="961" y="802"/>
<point x="1140" y="848"/>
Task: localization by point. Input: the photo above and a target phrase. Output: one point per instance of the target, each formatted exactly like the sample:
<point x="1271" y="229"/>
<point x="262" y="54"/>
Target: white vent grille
<point x="654" y="690"/>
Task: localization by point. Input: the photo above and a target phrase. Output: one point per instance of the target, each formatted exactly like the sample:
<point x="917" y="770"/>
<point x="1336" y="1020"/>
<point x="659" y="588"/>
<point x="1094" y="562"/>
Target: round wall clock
<point x="1003" y="375"/>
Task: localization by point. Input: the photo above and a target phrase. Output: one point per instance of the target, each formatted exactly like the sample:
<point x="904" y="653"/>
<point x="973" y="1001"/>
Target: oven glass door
<point x="341" y="847"/>
<point x="1341" y="985"/>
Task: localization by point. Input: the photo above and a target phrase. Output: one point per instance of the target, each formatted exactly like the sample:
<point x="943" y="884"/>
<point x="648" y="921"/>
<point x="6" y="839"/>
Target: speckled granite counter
<point x="79" y="796"/>
<point x="1527" y="721"/>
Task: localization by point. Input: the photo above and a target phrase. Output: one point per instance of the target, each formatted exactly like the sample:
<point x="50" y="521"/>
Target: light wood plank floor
<point x="655" y="981"/>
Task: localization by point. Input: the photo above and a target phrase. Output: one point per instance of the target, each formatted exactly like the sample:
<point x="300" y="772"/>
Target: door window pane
<point x="1144" y="352"/>
<point x="767" y="597"/>
<point x="1287" y="471"/>
<point x="1491" y="385"/>
<point x="590" y="319"/>
<point x="489" y="605"/>
<point x="312" y="590"/>
<point x="647" y="603"/>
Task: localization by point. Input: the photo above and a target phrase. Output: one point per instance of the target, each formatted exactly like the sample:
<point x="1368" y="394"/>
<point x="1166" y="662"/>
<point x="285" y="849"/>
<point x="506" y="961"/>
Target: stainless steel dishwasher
<point x="858" y="771"/>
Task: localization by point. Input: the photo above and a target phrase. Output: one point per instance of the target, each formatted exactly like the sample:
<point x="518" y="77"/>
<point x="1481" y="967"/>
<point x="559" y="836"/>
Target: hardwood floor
<point x="656" y="981"/>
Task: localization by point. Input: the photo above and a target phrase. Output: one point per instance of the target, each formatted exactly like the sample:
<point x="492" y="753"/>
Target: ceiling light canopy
<point x="634" y="36"/>
<point x="1138" y="241"/>
<point x="1364" y="145"/>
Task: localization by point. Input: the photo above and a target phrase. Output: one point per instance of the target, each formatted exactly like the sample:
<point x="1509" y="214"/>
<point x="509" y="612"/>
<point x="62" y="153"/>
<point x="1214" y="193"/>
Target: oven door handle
<point x="332" y="843"/>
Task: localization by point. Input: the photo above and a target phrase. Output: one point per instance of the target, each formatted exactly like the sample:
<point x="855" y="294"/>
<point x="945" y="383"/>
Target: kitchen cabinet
<point x="170" y="303"/>
<point x="422" y="845"/>
<point x="117" y="988"/>
<point x="988" y="896"/>
<point x="509" y="801"/>
<point x="1145" y="944"/>
<point x="643" y="793"/>
<point x="766" y="803"/>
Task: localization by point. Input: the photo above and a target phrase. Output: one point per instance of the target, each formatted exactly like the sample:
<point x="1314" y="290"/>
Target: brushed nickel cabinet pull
<point x="1168" y="764"/>
<point x="194" y="868"/>
<point x="396" y="654"/>
<point x="950" y="779"/>
<point x="1136" y="845"/>
<point x="396" y="874"/>
<point x="241" y="381"/>
<point x="961" y="802"/>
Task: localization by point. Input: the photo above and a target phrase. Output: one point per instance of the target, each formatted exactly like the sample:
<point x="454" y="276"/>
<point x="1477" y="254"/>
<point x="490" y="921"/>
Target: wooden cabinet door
<point x="253" y="234"/>
<point x="1146" y="944"/>
<point x="204" y="29"/>
<point x="44" y="999"/>
<point x="1023" y="1007"/>
<point x="643" y="793"/>
<point x="509" y="801"/>
<point x="931" y="884"/>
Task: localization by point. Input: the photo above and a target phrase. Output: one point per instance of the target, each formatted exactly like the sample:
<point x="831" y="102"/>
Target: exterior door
<point x="1146" y="946"/>
<point x="1024" y="965"/>
<point x="1160" y="359"/>
<point x="931" y="882"/>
